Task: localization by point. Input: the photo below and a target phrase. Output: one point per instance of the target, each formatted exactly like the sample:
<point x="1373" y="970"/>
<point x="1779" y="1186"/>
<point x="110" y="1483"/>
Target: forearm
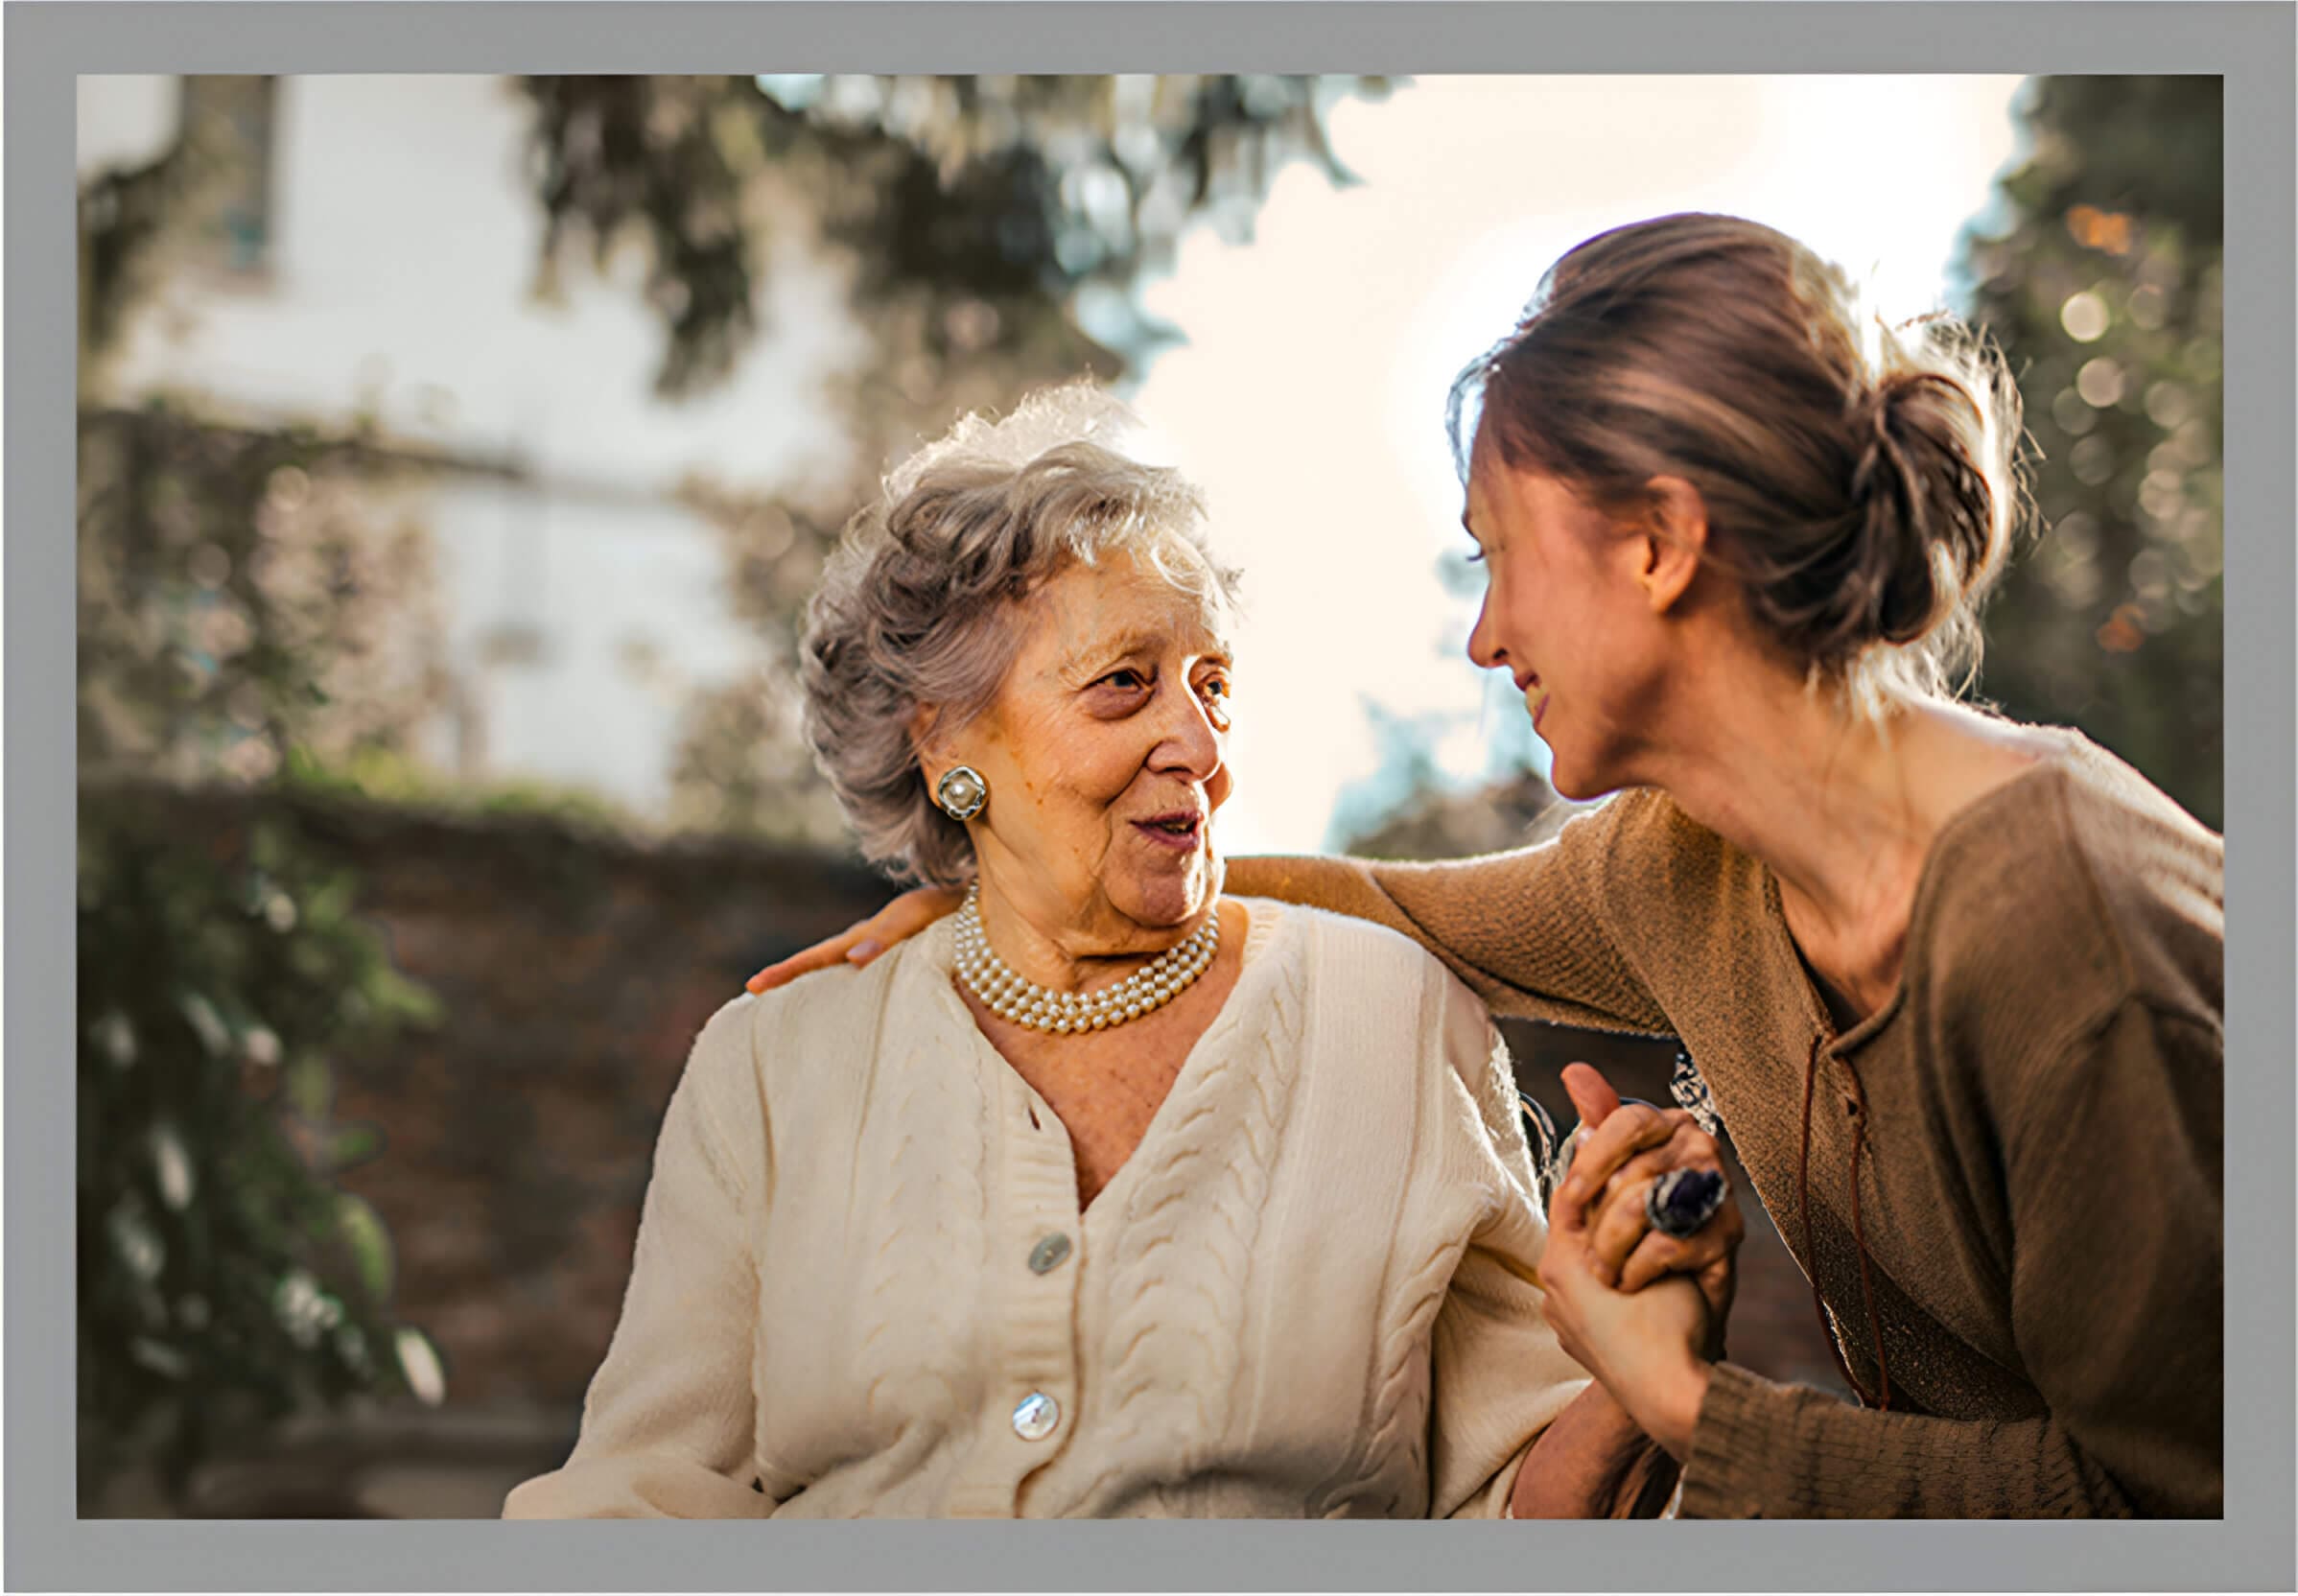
<point x="1593" y="1462"/>
<point x="1354" y="888"/>
<point x="1524" y="930"/>
<point x="1341" y="885"/>
<point x="1775" y="1451"/>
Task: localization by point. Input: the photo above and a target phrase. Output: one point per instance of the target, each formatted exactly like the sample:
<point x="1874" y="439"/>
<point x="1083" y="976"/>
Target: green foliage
<point x="239" y="595"/>
<point x="1012" y="193"/>
<point x="240" y="610"/>
<point x="2103" y="286"/>
<point x="139" y="222"/>
<point x="223" y="1280"/>
<point x="123" y="214"/>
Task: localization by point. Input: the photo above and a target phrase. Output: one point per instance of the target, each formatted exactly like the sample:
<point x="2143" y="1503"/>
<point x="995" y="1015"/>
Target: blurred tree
<point x="243" y="611"/>
<point x="1405" y="775"/>
<point x="246" y="609"/>
<point x="2102" y="282"/>
<point x="1404" y="809"/>
<point x="247" y="606"/>
<point x="1000" y="201"/>
<point x="991" y="230"/>
<point x="223" y="1281"/>
<point x="188" y="200"/>
<point x="250" y="599"/>
<point x="122" y="213"/>
<point x="1434" y="824"/>
<point x="244" y="598"/>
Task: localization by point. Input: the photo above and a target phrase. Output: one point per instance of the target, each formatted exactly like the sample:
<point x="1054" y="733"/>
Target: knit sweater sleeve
<point x="667" y="1422"/>
<point x="1500" y="1377"/>
<point x="1535" y="932"/>
<point x="2113" y="1164"/>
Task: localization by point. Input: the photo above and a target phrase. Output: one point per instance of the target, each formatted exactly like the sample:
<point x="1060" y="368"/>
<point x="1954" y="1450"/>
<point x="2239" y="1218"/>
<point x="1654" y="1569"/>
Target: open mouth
<point x="1179" y="830"/>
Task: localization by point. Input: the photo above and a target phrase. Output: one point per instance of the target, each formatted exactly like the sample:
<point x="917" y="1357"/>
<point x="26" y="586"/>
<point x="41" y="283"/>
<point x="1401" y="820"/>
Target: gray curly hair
<point x="919" y="605"/>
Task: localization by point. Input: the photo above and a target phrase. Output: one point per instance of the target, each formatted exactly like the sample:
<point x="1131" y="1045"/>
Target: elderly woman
<point x="1107" y="1196"/>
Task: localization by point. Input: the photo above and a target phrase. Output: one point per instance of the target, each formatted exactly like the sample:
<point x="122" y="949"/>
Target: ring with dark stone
<point x="1683" y="1200"/>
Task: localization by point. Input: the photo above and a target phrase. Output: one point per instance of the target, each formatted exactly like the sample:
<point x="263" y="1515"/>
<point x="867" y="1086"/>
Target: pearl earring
<point x="961" y="792"/>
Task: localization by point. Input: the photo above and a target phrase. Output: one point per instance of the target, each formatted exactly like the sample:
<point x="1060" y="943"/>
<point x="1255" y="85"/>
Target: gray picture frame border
<point x="2249" y="44"/>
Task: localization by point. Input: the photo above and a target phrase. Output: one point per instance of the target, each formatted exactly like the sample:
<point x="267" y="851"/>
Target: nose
<point x="1189" y="741"/>
<point x="1483" y="646"/>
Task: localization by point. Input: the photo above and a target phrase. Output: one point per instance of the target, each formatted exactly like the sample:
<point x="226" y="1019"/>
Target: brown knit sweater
<point x="2041" y="1184"/>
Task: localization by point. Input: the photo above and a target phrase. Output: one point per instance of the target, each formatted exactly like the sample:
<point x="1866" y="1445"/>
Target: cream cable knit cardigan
<point x="1303" y="1294"/>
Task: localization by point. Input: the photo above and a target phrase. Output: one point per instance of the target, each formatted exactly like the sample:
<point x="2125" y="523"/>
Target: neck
<point x="1073" y="952"/>
<point x="1843" y="808"/>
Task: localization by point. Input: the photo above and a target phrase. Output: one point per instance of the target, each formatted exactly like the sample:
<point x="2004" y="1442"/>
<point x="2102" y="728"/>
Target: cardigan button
<point x="1048" y="1254"/>
<point x="1035" y="1416"/>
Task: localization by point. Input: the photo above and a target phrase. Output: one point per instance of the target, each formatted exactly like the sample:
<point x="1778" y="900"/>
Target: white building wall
<point x="404" y="244"/>
<point x="600" y="583"/>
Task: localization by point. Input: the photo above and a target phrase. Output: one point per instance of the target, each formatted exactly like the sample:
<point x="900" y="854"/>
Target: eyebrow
<point x="1096" y="652"/>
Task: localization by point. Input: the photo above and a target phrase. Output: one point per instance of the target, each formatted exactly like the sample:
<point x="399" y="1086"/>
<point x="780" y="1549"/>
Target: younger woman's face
<point x="1564" y="616"/>
<point x="1104" y="753"/>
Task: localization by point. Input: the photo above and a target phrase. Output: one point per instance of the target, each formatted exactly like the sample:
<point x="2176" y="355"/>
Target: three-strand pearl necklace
<point x="1007" y="995"/>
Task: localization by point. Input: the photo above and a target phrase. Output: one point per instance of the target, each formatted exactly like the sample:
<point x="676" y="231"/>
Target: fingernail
<point x="862" y="952"/>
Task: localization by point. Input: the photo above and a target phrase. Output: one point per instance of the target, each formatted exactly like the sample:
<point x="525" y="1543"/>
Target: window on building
<point x="229" y="122"/>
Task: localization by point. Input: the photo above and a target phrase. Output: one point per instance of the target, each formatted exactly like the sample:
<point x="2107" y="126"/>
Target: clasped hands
<point x="1639" y="1309"/>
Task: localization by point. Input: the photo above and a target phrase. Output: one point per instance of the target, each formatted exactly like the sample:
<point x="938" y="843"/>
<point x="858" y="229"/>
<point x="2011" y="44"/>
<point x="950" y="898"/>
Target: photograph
<point x="1588" y="587"/>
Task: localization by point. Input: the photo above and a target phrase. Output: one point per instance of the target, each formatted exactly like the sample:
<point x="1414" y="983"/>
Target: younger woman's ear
<point x="1675" y="539"/>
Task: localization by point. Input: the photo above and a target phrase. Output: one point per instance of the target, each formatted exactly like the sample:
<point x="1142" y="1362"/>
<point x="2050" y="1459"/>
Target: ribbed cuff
<point x="1729" y="1445"/>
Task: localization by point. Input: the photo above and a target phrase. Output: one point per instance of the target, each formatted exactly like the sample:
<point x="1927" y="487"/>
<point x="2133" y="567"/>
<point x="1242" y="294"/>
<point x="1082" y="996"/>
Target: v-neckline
<point x="1262" y="923"/>
<point x="1839" y="1041"/>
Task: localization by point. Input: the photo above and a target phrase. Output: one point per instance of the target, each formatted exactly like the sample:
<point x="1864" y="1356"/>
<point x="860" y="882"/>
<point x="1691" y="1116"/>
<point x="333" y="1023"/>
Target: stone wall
<point x="574" y="969"/>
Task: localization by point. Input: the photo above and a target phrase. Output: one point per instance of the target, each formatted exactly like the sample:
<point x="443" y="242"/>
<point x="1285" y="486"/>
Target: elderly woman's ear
<point x="934" y="756"/>
<point x="957" y="787"/>
<point x="922" y="722"/>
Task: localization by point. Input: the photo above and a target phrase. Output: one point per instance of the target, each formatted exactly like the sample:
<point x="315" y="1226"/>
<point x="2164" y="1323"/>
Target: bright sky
<point x="1309" y="402"/>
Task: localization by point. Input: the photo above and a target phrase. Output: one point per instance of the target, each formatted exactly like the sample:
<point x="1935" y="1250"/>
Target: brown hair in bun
<point x="1858" y="480"/>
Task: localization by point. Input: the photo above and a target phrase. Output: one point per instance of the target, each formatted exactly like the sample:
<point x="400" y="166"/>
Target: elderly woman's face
<point x="1104" y="756"/>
